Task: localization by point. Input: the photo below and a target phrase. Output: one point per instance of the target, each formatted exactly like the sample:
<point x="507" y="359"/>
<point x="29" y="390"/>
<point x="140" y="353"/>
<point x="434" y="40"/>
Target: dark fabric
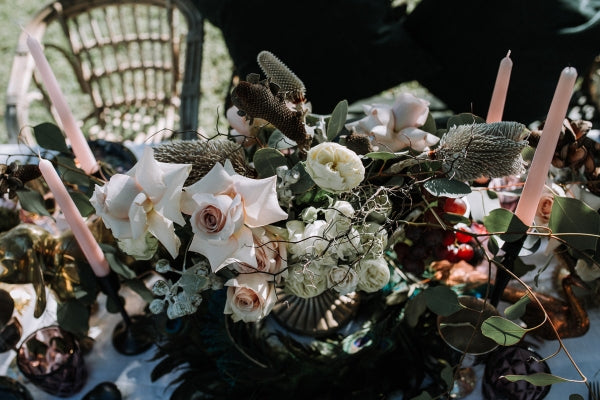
<point x="352" y="49"/>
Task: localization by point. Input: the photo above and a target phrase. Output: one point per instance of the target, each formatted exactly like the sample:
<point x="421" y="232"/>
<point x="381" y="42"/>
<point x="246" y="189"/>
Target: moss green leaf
<point x="82" y="203"/>
<point x="447" y="187"/>
<point x="517" y="309"/>
<point x="385" y="155"/>
<point x="502" y="331"/>
<point x="50" y="137"/>
<point x="537" y="379"/>
<point x="337" y="120"/>
<point x="572" y="215"/>
<point x="441" y="300"/>
<point x="73" y="316"/>
<point x="415" y="307"/>
<point x="267" y="160"/>
<point x="502" y="220"/>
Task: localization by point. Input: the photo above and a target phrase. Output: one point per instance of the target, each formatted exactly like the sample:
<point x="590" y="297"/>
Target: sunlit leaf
<point x="502" y="331"/>
<point x="50" y="137"/>
<point x="442" y="300"/>
<point x="267" y="160"/>
<point x="447" y="187"/>
<point x="571" y="215"/>
<point x="537" y="379"/>
<point x="337" y="120"/>
<point x="517" y="309"/>
<point x="502" y="220"/>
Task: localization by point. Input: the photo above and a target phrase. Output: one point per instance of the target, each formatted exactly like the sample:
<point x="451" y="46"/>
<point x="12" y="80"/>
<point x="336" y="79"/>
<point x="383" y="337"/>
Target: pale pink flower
<point x="395" y="127"/>
<point x="250" y="297"/>
<point x="224" y="206"/>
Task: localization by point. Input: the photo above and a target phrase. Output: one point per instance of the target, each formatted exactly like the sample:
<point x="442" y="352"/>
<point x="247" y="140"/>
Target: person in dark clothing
<point x="353" y="49"/>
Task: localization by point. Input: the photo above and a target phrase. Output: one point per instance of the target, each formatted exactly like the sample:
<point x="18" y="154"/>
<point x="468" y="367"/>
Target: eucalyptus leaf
<point x="429" y="125"/>
<point x="32" y="201"/>
<point x="447" y="375"/>
<point x="50" y="137"/>
<point x="442" y="300"/>
<point x="115" y="264"/>
<point x="571" y="215"/>
<point x="502" y="331"/>
<point x="304" y="183"/>
<point x="278" y="140"/>
<point x="454" y="219"/>
<point x="73" y="316"/>
<point x="517" y="310"/>
<point x="502" y="220"/>
<point x="267" y="160"/>
<point x="520" y="268"/>
<point x="447" y="187"/>
<point x="140" y="288"/>
<point x="70" y="173"/>
<point x="385" y="155"/>
<point x="82" y="203"/>
<point x="415" y="307"/>
<point x="538" y="378"/>
<point x="337" y="120"/>
<point x="463" y="119"/>
<point x="492" y="245"/>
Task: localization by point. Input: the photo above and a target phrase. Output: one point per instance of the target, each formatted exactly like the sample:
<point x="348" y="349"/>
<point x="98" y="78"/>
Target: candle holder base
<point x="133" y="338"/>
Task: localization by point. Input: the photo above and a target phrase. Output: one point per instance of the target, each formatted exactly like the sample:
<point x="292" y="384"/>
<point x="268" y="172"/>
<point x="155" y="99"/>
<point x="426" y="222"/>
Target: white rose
<point x="308" y="280"/>
<point x="250" y="297"/>
<point x="334" y="167"/>
<point x="146" y="199"/>
<point x="347" y="246"/>
<point x="373" y="274"/>
<point x="339" y="217"/>
<point x="224" y="207"/>
<point x="307" y="240"/>
<point x="342" y="278"/>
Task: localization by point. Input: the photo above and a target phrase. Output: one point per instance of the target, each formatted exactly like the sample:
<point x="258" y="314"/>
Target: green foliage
<point x="337" y="120"/>
<point x="502" y="331"/>
<point x="444" y="187"/>
<point x="278" y="140"/>
<point x="82" y="202"/>
<point x="502" y="220"/>
<point x="73" y="316"/>
<point x="50" y="137"/>
<point x="572" y="215"/>
<point x="267" y="160"/>
<point x="32" y="201"/>
<point x="517" y="310"/>
<point x="442" y="300"/>
<point x="385" y="155"/>
<point x="538" y="378"/>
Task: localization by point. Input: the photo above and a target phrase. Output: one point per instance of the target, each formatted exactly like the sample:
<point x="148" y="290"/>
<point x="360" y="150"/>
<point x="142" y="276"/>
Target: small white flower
<point x="308" y="280"/>
<point x="373" y="274"/>
<point x="342" y="278"/>
<point x="334" y="167"/>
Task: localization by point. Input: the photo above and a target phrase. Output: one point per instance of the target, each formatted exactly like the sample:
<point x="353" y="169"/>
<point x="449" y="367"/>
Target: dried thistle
<point x="262" y="99"/>
<point x="292" y="87"/>
<point x="203" y="155"/>
<point x="14" y="176"/>
<point x="491" y="150"/>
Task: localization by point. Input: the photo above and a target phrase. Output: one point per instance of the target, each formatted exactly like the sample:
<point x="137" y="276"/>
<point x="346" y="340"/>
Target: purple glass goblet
<point x="51" y="359"/>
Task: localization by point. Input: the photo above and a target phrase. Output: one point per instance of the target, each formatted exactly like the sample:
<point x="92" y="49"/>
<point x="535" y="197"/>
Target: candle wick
<point x="508" y="54"/>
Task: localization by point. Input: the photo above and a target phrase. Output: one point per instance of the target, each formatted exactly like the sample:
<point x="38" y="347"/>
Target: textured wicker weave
<point x="130" y="69"/>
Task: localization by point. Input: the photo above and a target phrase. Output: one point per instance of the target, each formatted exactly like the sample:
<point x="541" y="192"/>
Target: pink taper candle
<point x="80" y="147"/>
<point x="538" y="171"/>
<point x="88" y="244"/>
<point x="500" y="89"/>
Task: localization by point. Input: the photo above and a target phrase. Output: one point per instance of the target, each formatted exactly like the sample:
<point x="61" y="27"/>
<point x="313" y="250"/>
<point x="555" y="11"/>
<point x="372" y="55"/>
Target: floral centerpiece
<point x="319" y="248"/>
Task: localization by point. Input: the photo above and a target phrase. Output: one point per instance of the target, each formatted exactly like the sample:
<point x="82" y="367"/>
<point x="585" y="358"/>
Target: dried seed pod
<point x="290" y="85"/>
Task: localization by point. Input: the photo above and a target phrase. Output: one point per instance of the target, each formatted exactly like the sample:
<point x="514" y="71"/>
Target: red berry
<point x="463" y="237"/>
<point x="465" y="252"/>
<point x="449" y="238"/>
<point x="455" y="206"/>
<point x="452" y="254"/>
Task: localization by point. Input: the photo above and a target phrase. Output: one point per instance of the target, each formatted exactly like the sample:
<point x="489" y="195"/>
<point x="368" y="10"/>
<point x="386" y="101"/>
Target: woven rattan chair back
<point x="130" y="69"/>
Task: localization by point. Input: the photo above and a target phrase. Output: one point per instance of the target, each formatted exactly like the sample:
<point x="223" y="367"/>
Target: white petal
<point x="260" y="200"/>
<point x="164" y="230"/>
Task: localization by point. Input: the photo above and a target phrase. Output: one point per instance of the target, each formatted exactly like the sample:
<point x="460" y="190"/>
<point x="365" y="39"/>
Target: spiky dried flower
<point x="203" y="155"/>
<point x="493" y="150"/>
<point x="262" y="99"/>
<point x="290" y="85"/>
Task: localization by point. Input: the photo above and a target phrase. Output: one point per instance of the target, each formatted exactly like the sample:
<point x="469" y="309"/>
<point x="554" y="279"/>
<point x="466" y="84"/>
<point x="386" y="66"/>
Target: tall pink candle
<point x="538" y="171"/>
<point x="90" y="248"/>
<point x="500" y="89"/>
<point x="80" y="147"/>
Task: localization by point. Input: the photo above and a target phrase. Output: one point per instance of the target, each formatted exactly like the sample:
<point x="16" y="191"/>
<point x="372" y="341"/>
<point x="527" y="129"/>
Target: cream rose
<point x="334" y="167"/>
<point x="250" y="297"/>
<point x="342" y="279"/>
<point x="146" y="199"/>
<point x="373" y="274"/>
<point x="308" y="280"/>
<point x="395" y="127"/>
<point x="224" y="206"/>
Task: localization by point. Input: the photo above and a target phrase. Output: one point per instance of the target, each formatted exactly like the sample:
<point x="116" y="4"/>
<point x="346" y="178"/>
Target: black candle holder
<point x="511" y="252"/>
<point x="132" y="335"/>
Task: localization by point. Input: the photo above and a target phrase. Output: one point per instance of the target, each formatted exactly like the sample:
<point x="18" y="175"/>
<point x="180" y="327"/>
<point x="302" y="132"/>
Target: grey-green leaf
<point x="517" y="309"/>
<point x="32" y="201"/>
<point x="441" y="300"/>
<point x="572" y="215"/>
<point x="267" y="160"/>
<point x="447" y="187"/>
<point x="502" y="331"/>
<point x="502" y="220"/>
<point x="337" y="120"/>
<point x="50" y="137"/>
<point x="537" y="379"/>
